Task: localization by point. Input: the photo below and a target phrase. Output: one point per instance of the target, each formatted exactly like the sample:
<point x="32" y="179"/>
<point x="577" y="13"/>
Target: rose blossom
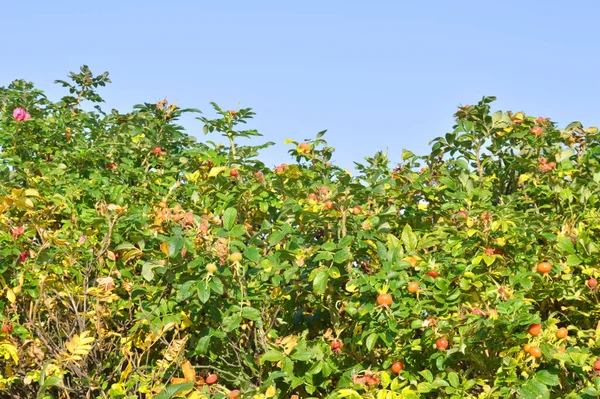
<point x="19" y="114"/>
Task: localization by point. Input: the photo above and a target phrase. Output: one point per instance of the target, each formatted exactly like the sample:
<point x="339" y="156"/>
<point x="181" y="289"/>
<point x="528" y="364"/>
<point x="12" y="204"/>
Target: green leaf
<point x="51" y="382"/>
<point x="173" y="389"/>
<point x="328" y="246"/>
<point x="202" y="345"/>
<point x="276" y="237"/>
<point x="334" y="272"/>
<point x="216" y="285"/>
<point x="252" y="253"/>
<point x="534" y="389"/>
<point x="565" y="154"/>
<point x="302" y="355"/>
<point x="346" y="241"/>
<point x="425" y="387"/>
<point x="592" y="391"/>
<point x="489" y="259"/>
<point x="231" y="322"/>
<point x="203" y="292"/>
<point x="566" y="245"/>
<point x="185" y="291"/>
<point x="453" y="379"/>
<point x="371" y="341"/>
<point x="323" y="256"/>
<point x="124" y="247"/>
<point x="547" y="378"/>
<point x="573" y="260"/>
<point x="320" y="281"/>
<point x="427" y="375"/>
<point x="229" y="217"/>
<point x="250" y="313"/>
<point x="237" y="231"/>
<point x="409" y="238"/>
<point x="272" y="356"/>
<point x="415" y="324"/>
<point x="148" y="269"/>
<point x="341" y="256"/>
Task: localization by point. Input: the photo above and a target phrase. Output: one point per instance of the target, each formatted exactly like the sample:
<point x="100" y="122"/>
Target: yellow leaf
<point x="10" y="351"/>
<point x="348" y="393"/>
<point x="117" y="389"/>
<point x="413" y="260"/>
<point x="84" y="339"/>
<point x="125" y="372"/>
<point x="10" y="295"/>
<point x="288" y="141"/>
<point x="137" y="138"/>
<point x="216" y="170"/>
<point x="277" y="290"/>
<point x="351" y="287"/>
<point x="131" y="254"/>
<point x="271" y="391"/>
<point x="591" y="130"/>
<point x="523" y="178"/>
<point x="32" y="192"/>
<point x="188" y="371"/>
<point x="79" y="345"/>
<point x="164" y="247"/>
<point x="289" y="343"/>
<point x="192" y="177"/>
<point x="23" y="202"/>
<point x="185" y="321"/>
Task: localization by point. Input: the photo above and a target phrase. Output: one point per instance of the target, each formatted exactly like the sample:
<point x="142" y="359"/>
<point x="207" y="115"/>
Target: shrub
<point x="137" y="262"/>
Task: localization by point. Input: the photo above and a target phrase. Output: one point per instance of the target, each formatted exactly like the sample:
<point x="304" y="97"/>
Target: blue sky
<point x="376" y="74"/>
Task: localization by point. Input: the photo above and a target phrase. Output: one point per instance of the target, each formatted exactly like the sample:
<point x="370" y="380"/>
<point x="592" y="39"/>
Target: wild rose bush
<point x="139" y="263"/>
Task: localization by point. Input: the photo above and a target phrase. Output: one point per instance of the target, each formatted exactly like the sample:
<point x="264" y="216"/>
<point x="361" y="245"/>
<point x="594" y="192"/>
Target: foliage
<point x="137" y="262"/>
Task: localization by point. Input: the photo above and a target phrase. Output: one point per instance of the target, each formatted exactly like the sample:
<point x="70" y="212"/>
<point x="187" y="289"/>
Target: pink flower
<point x="18" y="231"/>
<point x="81" y="240"/>
<point x="20" y="114"/>
<point x="23" y="256"/>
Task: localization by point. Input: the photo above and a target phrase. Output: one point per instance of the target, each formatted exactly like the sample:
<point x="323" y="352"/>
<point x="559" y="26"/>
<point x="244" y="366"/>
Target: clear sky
<point x="376" y="74"/>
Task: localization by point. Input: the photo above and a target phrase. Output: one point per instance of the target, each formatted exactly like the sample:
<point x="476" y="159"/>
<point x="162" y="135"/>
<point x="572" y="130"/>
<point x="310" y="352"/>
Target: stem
<point x="342" y="233"/>
<point x="479" y="166"/>
<point x="231" y="144"/>
<point x="15" y="140"/>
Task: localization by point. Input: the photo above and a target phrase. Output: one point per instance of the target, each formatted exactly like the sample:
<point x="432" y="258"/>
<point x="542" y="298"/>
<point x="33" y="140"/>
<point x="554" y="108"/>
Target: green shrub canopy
<point x="138" y="262"/>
